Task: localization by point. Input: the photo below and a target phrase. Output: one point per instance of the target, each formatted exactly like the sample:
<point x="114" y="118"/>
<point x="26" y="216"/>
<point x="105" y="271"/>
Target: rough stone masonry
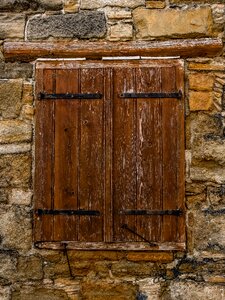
<point x="27" y="273"/>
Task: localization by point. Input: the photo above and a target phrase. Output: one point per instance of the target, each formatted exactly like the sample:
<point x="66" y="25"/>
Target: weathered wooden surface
<point x="28" y="51"/>
<point x="111" y="154"/>
<point x="133" y="246"/>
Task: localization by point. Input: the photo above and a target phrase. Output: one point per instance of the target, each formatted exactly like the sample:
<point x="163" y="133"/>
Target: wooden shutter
<point x="109" y="171"/>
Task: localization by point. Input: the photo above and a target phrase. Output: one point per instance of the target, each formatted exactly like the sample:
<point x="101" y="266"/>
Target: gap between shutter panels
<point x="83" y="110"/>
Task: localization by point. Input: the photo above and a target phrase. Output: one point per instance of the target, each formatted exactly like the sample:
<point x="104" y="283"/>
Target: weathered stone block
<point x="153" y="256"/>
<point x="10" y="98"/>
<point x="209" y="151"/>
<point x="15" y="170"/>
<point x="201" y="82"/>
<point x="12" y="131"/>
<point x="29" y="268"/>
<point x="207" y="65"/>
<point x="82" y="25"/>
<point x="148" y="289"/>
<point x="16" y="228"/>
<point x="155" y="4"/>
<point x="12" y="26"/>
<point x="173" y="23"/>
<point x="87" y="4"/>
<point x="211" y="173"/>
<point x="27" y="92"/>
<point x="27" y="112"/>
<point x="107" y="290"/>
<point x="50" y="4"/>
<point x="200" y="101"/>
<point x="8" y="263"/>
<point x="118" y="13"/>
<point x="128" y="268"/>
<point x="24" y="5"/>
<point x="37" y="293"/>
<point x="197" y="291"/>
<point x="3" y="196"/>
<point x="16" y="70"/>
<point x="5" y="292"/>
<point x="121" y="32"/>
<point x="20" y="197"/>
<point x="14" y="148"/>
<point x="216" y="196"/>
<point x="71" y="6"/>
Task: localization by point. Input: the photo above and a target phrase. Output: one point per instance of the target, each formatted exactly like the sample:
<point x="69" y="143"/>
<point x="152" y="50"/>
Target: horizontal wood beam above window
<point x="28" y="51"/>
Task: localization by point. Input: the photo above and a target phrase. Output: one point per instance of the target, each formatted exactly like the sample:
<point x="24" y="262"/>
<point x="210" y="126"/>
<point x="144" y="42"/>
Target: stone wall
<point x="27" y="273"/>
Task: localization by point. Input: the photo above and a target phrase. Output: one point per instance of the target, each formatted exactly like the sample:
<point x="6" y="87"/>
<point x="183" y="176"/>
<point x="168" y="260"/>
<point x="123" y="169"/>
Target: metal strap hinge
<point x="68" y="96"/>
<point x="176" y="95"/>
<point x="78" y="212"/>
<point x="144" y="212"/>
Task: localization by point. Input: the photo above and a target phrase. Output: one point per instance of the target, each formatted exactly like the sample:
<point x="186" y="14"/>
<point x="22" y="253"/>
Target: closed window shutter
<point x="109" y="168"/>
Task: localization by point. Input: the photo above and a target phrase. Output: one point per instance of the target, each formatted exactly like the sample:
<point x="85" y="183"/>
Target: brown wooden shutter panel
<point x="113" y="155"/>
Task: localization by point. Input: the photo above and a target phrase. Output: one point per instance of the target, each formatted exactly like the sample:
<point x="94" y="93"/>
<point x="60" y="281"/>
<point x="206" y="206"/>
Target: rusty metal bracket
<point x="65" y="252"/>
<point x="124" y="226"/>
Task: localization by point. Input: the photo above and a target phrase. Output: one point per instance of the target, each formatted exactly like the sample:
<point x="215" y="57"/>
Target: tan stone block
<point x="12" y="26"/>
<point x="71" y="6"/>
<point x="172" y="23"/>
<point x="29" y="268"/>
<point x="121" y="31"/>
<point x="208" y="173"/>
<point x="215" y="279"/>
<point x="38" y="293"/>
<point x="12" y="131"/>
<point x="15" y="170"/>
<point x="27" y="112"/>
<point x="97" y="256"/>
<point x="105" y="289"/>
<point x="152" y="256"/>
<point x="87" y="4"/>
<point x="10" y="97"/>
<point x="155" y="4"/>
<point x="207" y="66"/>
<point x="118" y="14"/>
<point x="27" y="93"/>
<point x="200" y="101"/>
<point x="201" y="81"/>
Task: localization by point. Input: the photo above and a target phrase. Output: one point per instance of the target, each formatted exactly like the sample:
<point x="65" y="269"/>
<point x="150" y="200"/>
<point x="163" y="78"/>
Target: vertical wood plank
<point x="124" y="153"/>
<point x="108" y="211"/>
<point x="149" y="153"/>
<point x="170" y="154"/>
<point x="44" y="141"/>
<point x="92" y="156"/>
<point x="181" y="235"/>
<point x="66" y="149"/>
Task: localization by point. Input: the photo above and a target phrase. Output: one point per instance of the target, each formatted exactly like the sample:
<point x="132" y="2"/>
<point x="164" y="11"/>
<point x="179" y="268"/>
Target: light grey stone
<point x="14" y="148"/>
<point x="20" y="197"/>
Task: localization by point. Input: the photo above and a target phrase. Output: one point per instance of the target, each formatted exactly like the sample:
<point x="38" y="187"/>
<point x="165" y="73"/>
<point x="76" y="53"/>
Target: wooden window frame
<point x="143" y="246"/>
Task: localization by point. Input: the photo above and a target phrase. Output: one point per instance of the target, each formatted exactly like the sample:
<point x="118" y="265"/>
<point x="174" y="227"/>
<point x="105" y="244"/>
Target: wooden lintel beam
<point x="28" y="51"/>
